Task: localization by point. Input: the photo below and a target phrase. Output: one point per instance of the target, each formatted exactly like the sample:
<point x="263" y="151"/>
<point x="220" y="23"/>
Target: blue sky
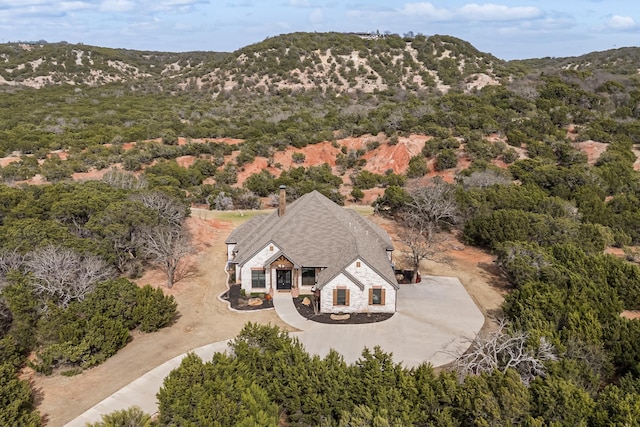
<point x="508" y="29"/>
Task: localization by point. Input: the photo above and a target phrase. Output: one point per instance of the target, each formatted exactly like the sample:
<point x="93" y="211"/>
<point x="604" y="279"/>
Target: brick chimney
<point x="282" y="203"/>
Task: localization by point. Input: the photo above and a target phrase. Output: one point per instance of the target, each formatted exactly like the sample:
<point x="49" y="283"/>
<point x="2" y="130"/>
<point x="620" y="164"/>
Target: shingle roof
<point x="315" y="232"/>
<point x="246" y="230"/>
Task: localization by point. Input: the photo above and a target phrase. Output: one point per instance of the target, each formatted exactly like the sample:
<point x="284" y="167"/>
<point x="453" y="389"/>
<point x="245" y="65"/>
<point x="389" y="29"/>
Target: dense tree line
<point x="267" y="374"/>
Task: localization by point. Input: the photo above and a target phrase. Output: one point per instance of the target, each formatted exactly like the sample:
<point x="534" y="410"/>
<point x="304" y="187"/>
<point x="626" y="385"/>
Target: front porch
<point x="278" y="274"/>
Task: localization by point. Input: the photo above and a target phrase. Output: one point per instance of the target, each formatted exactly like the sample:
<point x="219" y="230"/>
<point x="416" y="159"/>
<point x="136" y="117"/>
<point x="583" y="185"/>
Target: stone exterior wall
<point x="355" y="296"/>
<point x="358" y="299"/>
<point x="258" y="260"/>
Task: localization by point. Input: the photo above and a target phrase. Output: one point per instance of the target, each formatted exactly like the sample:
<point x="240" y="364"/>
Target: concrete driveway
<point x="433" y="322"/>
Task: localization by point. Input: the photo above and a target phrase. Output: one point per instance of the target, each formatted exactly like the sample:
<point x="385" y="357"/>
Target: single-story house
<point x="316" y="247"/>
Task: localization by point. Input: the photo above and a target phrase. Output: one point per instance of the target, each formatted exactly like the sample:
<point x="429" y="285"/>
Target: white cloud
<point x="621" y="23"/>
<point x="299" y="3"/>
<point x="427" y="10"/>
<point x="316" y="16"/>
<point x="498" y="12"/>
<point x="471" y="12"/>
<point x="117" y="6"/>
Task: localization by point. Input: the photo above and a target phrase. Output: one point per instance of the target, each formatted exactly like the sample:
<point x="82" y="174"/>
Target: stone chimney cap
<point x="282" y="187"/>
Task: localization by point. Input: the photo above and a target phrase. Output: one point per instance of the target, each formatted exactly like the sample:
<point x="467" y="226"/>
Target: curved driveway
<point x="433" y="322"/>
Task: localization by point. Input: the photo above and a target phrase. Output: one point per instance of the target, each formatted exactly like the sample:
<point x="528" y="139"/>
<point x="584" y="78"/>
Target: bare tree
<point x="421" y="246"/>
<point x="222" y="202"/>
<point x="170" y="210"/>
<point x="503" y="350"/>
<point x="165" y="246"/>
<point x="126" y="180"/>
<point x="65" y="275"/>
<point x="10" y="260"/>
<point x="486" y="178"/>
<point x="431" y="209"/>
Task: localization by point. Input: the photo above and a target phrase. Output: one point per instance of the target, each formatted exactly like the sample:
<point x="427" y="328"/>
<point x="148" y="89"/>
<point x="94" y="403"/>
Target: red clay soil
<point x="378" y="160"/>
<point x="592" y="149"/>
<point x="185" y="161"/>
<point x="394" y="157"/>
<point x="257" y="166"/>
<point x="8" y="160"/>
<point x="91" y="175"/>
<point x="631" y="314"/>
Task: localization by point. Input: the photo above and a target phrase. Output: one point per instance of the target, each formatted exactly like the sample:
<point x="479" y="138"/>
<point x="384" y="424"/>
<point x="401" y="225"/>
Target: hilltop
<point x="338" y="62"/>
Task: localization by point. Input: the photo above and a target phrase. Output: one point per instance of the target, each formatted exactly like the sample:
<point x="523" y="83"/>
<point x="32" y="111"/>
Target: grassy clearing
<point x="234" y="216"/>
<point x="363" y="210"/>
<point x="240" y="216"/>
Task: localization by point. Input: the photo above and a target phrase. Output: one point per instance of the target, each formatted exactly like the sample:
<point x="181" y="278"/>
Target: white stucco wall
<point x="359" y="299"/>
<point x="257" y="261"/>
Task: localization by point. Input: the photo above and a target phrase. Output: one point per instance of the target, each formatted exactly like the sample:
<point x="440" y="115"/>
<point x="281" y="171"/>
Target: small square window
<point x="271" y="248"/>
<point x="357" y="263"/>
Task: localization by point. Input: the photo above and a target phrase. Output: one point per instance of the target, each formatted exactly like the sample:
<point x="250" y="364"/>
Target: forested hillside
<point x="507" y="145"/>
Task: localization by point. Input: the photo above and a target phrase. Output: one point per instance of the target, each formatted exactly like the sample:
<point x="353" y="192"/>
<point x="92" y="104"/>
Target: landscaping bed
<point x="239" y="301"/>
<point x="354" y="318"/>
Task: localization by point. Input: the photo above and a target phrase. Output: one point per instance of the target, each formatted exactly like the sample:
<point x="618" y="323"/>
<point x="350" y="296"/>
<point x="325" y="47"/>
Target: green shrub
<point x="154" y="310"/>
<point x="130" y="417"/>
<point x="298" y="157"/>
<point x="446" y="159"/>
<point x="17" y="406"/>
<point x="417" y="167"/>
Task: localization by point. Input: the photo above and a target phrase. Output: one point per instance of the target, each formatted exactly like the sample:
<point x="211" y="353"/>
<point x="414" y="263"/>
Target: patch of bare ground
<point x="631" y="314"/>
<point x="203" y="319"/>
<point x="380" y="156"/>
<point x="91" y="175"/>
<point x="592" y="149"/>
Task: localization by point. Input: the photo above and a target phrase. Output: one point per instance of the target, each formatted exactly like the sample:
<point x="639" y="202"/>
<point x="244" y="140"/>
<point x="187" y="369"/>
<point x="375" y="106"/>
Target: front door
<point x="283" y="279"/>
